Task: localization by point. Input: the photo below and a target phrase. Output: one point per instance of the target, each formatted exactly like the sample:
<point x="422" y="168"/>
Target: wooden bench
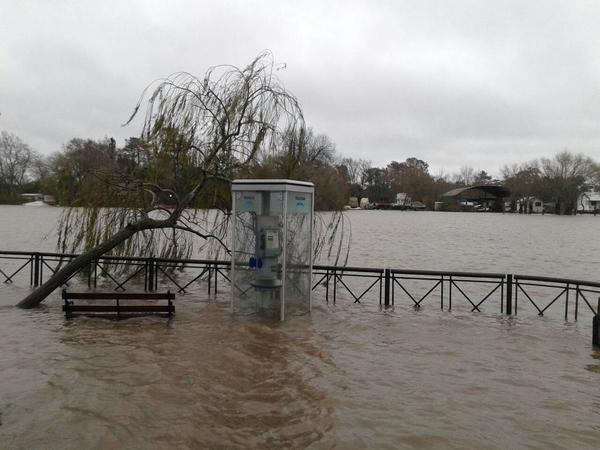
<point x="117" y="307"/>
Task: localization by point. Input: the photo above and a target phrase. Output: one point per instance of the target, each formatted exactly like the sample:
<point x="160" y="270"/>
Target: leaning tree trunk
<point x="82" y="261"/>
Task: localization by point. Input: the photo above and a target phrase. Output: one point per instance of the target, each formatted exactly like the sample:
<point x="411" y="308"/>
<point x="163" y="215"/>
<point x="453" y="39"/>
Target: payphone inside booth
<point x="272" y="246"/>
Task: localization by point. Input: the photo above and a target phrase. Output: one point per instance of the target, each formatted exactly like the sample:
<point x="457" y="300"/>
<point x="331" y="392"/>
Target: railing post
<point x="442" y="294"/>
<point x="393" y="288"/>
<point x="31" y="269"/>
<point x="36" y="269"/>
<point x="155" y="275"/>
<point x="450" y="282"/>
<point x="502" y="294"/>
<point x="516" y="296"/>
<point x="334" y="285"/>
<point x="216" y="276"/>
<point x="151" y="274"/>
<point x="380" y="287"/>
<point x="509" y="286"/>
<point x="41" y="272"/>
<point x="567" y="304"/>
<point x="146" y="275"/>
<point x="576" y="302"/>
<point x="596" y="326"/>
<point x="386" y="299"/>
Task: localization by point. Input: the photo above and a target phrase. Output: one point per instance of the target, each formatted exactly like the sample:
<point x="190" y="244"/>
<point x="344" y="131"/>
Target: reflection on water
<point x="346" y="376"/>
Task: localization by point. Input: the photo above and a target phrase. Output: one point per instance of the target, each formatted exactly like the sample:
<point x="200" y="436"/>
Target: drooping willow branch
<point x="196" y="129"/>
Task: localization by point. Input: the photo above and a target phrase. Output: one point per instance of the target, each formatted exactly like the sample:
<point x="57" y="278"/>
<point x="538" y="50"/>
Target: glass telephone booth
<point x="271" y="269"/>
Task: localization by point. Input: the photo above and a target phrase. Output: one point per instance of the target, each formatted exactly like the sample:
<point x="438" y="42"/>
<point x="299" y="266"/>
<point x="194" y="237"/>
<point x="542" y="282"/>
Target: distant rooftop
<point x="479" y="192"/>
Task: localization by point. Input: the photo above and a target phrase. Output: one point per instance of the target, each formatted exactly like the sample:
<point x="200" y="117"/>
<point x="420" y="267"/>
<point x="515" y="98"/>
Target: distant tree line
<point x="77" y="175"/>
<point x="559" y="180"/>
<point x="82" y="173"/>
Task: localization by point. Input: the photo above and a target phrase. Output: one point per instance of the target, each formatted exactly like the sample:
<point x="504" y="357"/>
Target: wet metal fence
<point x="390" y="287"/>
<point x="446" y="287"/>
<point x="583" y="291"/>
<point x="39" y="266"/>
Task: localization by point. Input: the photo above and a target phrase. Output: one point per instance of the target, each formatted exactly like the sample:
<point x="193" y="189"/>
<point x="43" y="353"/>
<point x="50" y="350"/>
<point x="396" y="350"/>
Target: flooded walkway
<point x="345" y="376"/>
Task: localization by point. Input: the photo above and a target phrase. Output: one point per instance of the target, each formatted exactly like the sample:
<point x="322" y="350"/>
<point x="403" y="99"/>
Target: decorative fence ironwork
<point x="582" y="290"/>
<point x="325" y="274"/>
<point x="40" y="264"/>
<point x="390" y="285"/>
<point x="453" y="281"/>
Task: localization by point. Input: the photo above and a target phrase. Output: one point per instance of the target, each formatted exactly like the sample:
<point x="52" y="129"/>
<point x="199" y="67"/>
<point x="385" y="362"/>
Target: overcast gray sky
<point x="479" y="83"/>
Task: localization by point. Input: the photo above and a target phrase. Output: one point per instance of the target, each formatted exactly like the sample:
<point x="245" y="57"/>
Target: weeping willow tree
<point x="197" y="134"/>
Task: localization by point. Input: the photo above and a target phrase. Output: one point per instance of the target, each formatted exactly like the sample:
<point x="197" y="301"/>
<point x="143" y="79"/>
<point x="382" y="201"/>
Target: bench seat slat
<point x="121" y="308"/>
<point x="120" y="296"/>
<point x="118" y="303"/>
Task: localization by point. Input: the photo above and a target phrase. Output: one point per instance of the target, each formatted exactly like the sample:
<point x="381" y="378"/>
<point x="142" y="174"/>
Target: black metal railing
<point x="581" y="289"/>
<point x="40" y="264"/>
<point x="388" y="285"/>
<point x="335" y="275"/>
<point x="454" y="281"/>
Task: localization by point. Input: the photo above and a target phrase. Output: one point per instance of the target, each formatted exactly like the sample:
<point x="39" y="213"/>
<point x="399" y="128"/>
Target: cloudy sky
<point x="479" y="83"/>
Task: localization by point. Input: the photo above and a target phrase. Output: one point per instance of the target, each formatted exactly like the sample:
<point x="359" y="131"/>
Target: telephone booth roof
<point x="273" y="185"/>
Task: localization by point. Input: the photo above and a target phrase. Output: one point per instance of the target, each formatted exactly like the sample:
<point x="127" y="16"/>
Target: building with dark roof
<point x="486" y="197"/>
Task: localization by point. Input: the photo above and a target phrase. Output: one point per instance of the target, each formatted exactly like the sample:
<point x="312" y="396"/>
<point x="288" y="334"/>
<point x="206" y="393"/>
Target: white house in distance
<point x="588" y="202"/>
<point x="403" y="199"/>
<point x="530" y="205"/>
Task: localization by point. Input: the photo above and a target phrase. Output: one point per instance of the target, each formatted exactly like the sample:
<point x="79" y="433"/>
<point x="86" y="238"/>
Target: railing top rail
<point x="448" y="273"/>
<point x="557" y="280"/>
<point x="194" y="261"/>
<point x="117" y="258"/>
<point x="355" y="269"/>
<point x="20" y="253"/>
<point x="348" y="269"/>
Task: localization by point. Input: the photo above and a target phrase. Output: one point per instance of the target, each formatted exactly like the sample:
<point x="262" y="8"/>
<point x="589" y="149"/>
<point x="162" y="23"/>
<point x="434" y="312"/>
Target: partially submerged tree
<point x="411" y="177"/>
<point x="524" y="182"/>
<point x="355" y="168"/>
<point x="559" y="180"/>
<point x="565" y="177"/>
<point x="198" y="132"/>
<point x="377" y="186"/>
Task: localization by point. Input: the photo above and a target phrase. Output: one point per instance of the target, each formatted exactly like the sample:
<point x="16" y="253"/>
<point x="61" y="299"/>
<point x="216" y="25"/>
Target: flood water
<point x="346" y="376"/>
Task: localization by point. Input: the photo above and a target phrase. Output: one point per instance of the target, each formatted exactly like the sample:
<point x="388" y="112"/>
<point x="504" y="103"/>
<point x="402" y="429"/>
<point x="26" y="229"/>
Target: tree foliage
<point x="304" y="155"/>
<point x="565" y="177"/>
<point x="16" y="163"/>
<point x="558" y="180"/>
<point x="197" y="133"/>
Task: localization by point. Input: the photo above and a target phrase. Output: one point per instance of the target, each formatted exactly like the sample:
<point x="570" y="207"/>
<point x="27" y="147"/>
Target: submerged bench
<point x="122" y="303"/>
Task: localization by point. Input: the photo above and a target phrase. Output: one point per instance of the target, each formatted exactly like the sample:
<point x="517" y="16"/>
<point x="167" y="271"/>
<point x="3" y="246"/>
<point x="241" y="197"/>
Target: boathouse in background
<point x="484" y="197"/>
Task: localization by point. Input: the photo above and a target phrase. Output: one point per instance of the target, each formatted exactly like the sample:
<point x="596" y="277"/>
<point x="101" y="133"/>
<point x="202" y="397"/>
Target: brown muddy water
<point x="346" y="376"/>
